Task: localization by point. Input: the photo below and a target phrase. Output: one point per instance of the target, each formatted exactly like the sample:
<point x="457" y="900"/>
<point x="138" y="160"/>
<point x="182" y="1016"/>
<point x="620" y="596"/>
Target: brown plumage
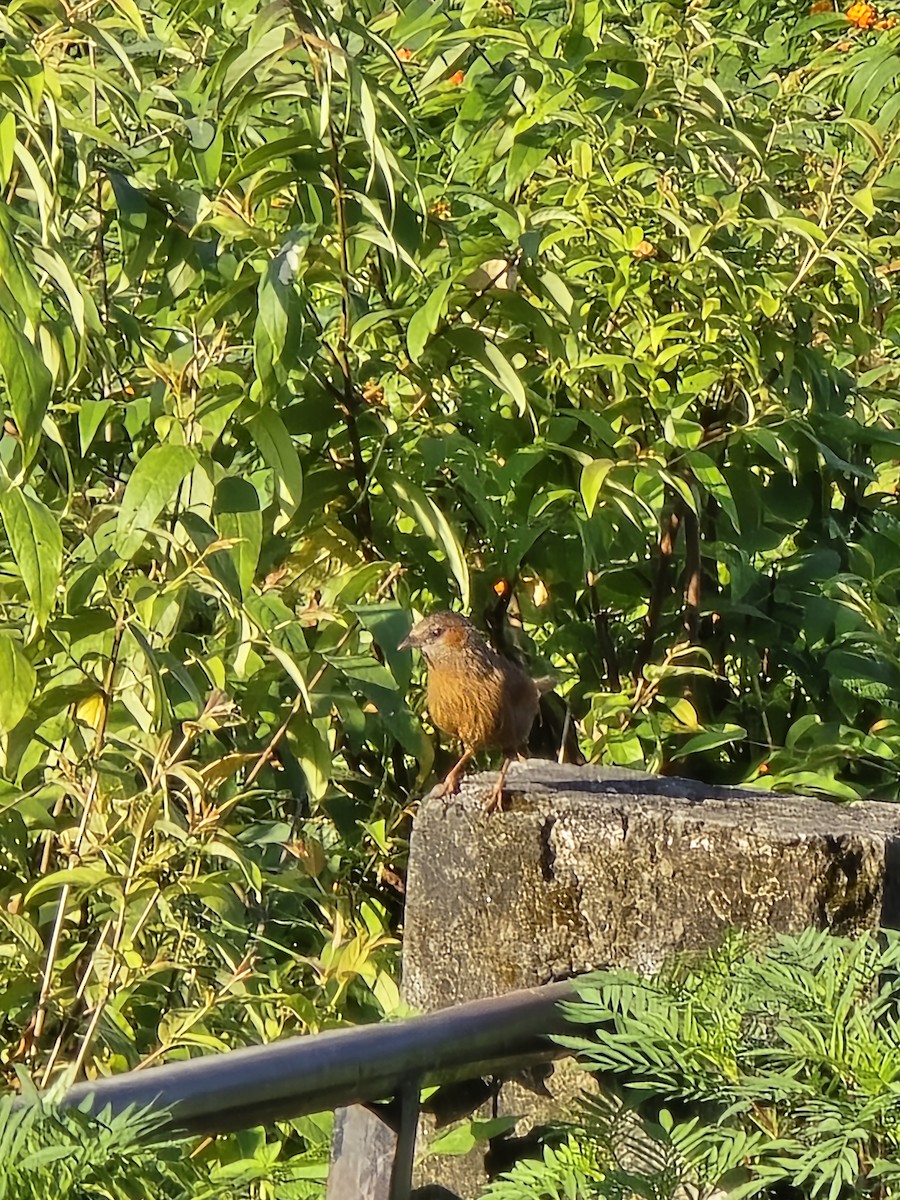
<point x="474" y="694"/>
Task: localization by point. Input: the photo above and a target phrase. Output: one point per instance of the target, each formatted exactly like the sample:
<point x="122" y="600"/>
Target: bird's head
<point x="441" y="636"/>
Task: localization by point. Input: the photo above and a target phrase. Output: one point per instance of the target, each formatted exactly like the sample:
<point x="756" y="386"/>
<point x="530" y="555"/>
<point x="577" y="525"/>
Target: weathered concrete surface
<point x="591" y="867"/>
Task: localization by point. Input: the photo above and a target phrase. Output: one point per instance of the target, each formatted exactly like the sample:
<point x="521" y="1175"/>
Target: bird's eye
<point x="435" y="632"/>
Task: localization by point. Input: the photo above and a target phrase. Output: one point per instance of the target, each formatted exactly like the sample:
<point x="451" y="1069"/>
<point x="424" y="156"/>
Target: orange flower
<point x="456" y="78"/>
<point x="886" y="23"/>
<point x="502" y="588"/>
<point x="373" y="392"/>
<point x="862" y="15"/>
<point x="440" y="209"/>
<point x="405" y="54"/>
<point x="644" y="249"/>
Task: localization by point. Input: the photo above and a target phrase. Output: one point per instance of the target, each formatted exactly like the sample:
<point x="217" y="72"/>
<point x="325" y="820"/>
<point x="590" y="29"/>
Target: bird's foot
<point x="495" y="799"/>
<point x="448" y="787"/>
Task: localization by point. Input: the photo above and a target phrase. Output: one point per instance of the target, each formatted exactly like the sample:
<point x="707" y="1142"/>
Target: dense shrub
<point x="582" y="315"/>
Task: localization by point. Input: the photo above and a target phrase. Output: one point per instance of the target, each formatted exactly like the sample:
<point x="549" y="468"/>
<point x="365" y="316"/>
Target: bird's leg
<point x="450" y="786"/>
<point x="495" y="800"/>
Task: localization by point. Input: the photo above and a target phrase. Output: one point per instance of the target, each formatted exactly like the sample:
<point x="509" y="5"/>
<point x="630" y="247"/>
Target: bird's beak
<point x="408" y="643"/>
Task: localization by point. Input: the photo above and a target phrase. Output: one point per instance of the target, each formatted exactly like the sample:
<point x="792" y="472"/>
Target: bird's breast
<point x="483" y="708"/>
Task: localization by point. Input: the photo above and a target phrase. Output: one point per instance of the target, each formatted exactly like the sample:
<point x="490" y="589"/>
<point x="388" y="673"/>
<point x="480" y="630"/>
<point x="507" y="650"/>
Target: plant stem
<point x="40" y="1012"/>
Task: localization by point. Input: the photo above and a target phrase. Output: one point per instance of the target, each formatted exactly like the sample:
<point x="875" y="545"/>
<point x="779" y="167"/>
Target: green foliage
<point x="764" y="1067"/>
<point x="48" y="1152"/>
<point x="570" y="1169"/>
<point x="313" y="315"/>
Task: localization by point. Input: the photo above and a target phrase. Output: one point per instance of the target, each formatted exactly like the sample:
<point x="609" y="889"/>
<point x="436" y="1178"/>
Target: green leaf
<point x="865" y="130"/>
<point x="219" y="563"/>
<point x="91" y="415"/>
<point x="464" y="1137"/>
<point x="152" y="485"/>
<point x="713" y="481"/>
<point x="268" y="431"/>
<point x="490" y="359"/>
<point x="84" y="876"/>
<point x="528" y="152"/>
<point x="28" y="384"/>
<point x="678" y="485"/>
<point x="142" y="223"/>
<point x="278" y="332"/>
<point x="19" y="680"/>
<point x="7" y="146"/>
<point x="15" y="272"/>
<point x="582" y="159"/>
<point x="312" y="751"/>
<point x="433" y="524"/>
<point x="592" y="478"/>
<point x="864" y="201"/>
<point x="36" y="542"/>
<point x="710" y="739"/>
<point x="424" y="320"/>
<point x="238" y="516"/>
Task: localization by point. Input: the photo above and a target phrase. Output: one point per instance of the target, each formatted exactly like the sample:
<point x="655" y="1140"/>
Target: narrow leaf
<point x="238" y="516"/>
<point x="268" y="431"/>
<point x="424" y="320"/>
<point x="19" y="680"/>
<point x="36" y="542"/>
<point x="434" y="524"/>
<point x="28" y="384"/>
<point x="592" y="478"/>
<point x="713" y="481"/>
<point x="152" y="485"/>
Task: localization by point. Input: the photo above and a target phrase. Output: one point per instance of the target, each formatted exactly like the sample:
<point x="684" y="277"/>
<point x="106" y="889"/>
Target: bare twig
<point x="692" y="574"/>
<point x="660" y="589"/>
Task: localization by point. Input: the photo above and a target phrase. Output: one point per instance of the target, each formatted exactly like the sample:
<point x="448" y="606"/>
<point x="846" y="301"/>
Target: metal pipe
<point x="258" y="1084"/>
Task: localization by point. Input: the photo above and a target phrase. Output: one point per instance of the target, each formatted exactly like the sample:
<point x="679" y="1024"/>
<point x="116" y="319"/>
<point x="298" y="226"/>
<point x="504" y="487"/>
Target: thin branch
<point x="661" y="588"/>
<point x="692" y="574"/>
<point x="350" y="398"/>
<point x="40" y="1012"/>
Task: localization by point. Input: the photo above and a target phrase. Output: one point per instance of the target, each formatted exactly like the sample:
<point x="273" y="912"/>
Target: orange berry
<point x="404" y="54"/>
<point x="644" y="249"/>
<point x="456" y="78"/>
<point x="862" y="15"/>
<point x="502" y="588"/>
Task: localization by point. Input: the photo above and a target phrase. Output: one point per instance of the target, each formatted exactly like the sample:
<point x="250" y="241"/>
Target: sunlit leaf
<point x="19" y="680"/>
<point x="36" y="541"/>
<point x="153" y="484"/>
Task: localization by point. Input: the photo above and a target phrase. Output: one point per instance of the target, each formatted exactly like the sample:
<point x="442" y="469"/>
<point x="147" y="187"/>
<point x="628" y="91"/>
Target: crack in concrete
<point x="548" y="850"/>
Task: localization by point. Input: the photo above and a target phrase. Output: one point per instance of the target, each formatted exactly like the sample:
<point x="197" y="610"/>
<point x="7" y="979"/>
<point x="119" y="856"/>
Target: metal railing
<point x="344" y="1069"/>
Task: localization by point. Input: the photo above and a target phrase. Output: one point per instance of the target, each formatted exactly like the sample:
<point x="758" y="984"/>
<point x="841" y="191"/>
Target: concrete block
<point x="592" y="867"/>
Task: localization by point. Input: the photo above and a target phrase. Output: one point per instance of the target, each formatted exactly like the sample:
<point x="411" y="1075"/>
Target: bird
<point x="474" y="694"/>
